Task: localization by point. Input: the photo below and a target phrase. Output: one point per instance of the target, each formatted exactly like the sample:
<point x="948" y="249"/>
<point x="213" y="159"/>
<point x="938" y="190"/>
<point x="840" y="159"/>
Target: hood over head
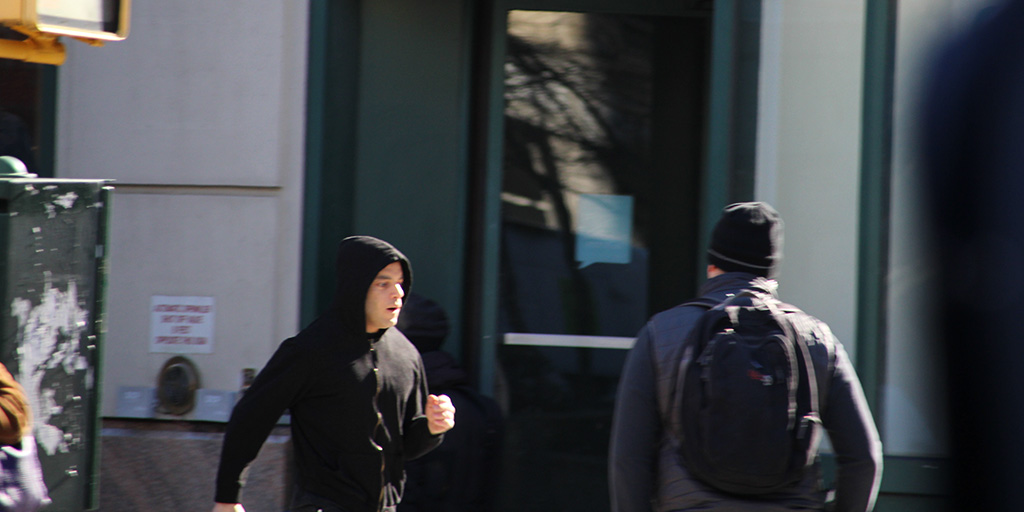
<point x="359" y="260"/>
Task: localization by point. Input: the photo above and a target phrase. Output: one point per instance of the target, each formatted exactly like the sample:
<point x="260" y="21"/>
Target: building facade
<point x="551" y="167"/>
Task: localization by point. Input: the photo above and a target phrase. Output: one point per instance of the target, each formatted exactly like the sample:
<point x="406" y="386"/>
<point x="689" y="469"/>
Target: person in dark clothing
<point x="970" y="128"/>
<point x="16" y="140"/>
<point x="462" y="474"/>
<point x="356" y="390"/>
<point x="645" y="469"/>
<point x="15" y="417"/>
<point x="23" y="489"/>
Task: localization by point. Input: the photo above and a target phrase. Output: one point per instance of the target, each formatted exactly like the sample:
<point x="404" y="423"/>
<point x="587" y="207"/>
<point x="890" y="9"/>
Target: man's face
<point x="384" y="298"/>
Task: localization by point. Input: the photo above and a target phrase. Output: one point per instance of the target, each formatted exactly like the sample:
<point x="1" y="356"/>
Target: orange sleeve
<point x="15" y="417"/>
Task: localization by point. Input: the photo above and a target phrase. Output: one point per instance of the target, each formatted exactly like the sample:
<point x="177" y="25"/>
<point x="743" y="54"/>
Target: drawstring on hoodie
<point x="378" y="425"/>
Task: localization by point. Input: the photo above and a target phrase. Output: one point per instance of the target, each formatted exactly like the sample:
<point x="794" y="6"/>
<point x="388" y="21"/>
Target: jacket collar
<point x="720" y="287"/>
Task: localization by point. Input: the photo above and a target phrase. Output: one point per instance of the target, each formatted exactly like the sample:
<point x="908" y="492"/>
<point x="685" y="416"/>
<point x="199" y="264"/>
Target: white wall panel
<point x="809" y="150"/>
<point x="199" y="93"/>
<point x="199" y="118"/>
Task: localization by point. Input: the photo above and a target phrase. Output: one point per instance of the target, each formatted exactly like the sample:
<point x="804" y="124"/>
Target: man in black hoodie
<point x="356" y="390"/>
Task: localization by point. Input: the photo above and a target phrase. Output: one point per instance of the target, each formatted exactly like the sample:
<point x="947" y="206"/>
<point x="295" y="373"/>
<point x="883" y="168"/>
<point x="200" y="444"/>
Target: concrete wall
<point x="808" y="150"/>
<point x="199" y="117"/>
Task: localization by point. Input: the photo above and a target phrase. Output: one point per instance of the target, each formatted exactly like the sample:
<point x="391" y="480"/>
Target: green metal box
<point x="53" y="247"/>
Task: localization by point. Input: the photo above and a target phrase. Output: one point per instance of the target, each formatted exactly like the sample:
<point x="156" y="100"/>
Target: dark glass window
<point x="604" y="122"/>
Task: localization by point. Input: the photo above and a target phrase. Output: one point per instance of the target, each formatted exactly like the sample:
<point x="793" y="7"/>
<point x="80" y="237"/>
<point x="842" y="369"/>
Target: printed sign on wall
<point x="181" y="325"/>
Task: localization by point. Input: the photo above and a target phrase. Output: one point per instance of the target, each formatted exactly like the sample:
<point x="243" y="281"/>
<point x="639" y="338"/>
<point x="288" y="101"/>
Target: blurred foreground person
<point x="972" y="136"/>
<point x="21" y="479"/>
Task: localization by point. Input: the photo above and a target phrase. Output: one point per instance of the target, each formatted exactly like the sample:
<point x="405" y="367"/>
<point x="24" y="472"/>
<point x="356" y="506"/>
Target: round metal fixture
<point x="176" y="386"/>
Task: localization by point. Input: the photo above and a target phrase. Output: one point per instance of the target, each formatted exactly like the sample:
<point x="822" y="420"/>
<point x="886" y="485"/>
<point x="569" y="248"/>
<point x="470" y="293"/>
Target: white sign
<point x="181" y="325"/>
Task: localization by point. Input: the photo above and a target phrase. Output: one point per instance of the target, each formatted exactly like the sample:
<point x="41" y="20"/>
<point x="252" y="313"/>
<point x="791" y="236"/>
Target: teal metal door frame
<point x="386" y="141"/>
<point x="330" y="146"/>
<point x="722" y="182"/>
<point x="908" y="483"/>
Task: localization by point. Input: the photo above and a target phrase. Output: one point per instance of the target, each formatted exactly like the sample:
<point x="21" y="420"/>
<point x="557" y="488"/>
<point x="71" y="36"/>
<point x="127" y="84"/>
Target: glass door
<point x="604" y="128"/>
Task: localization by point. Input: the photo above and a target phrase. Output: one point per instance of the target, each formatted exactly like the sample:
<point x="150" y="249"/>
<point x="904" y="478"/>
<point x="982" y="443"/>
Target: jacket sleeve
<point x="854" y="437"/>
<point x="416" y="438"/>
<point x="15" y="420"/>
<point x="636" y="430"/>
<point x="255" y="415"/>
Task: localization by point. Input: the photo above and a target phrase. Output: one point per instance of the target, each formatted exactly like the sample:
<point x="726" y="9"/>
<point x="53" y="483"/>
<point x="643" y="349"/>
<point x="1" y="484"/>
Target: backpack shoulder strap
<point x="675" y="359"/>
<point x="782" y="314"/>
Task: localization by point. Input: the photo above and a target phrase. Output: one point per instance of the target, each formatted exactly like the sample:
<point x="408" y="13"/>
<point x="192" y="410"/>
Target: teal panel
<point x="909" y="503"/>
<point x="330" y="146"/>
<point x="908" y="483"/>
<point x="732" y="104"/>
<point x="916" y="476"/>
<point x="410" y="170"/>
<point x="487" y="178"/>
<point x="876" y="174"/>
<point x="720" y="108"/>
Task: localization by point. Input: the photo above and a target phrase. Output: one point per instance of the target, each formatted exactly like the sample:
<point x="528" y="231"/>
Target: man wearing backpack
<point x="668" y="375"/>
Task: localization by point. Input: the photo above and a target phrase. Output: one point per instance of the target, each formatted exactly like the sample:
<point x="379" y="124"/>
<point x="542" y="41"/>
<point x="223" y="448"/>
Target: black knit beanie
<point x="748" y="238"/>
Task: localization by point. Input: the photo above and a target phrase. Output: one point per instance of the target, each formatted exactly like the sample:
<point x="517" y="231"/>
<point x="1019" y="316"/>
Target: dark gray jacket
<point x="645" y="471"/>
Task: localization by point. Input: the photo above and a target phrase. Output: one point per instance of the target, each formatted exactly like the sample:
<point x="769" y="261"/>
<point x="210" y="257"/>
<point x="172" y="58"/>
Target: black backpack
<point x="747" y="397"/>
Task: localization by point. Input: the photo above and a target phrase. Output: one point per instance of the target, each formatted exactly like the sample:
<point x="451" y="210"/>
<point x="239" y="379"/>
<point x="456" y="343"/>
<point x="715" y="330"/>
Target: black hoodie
<point x="337" y="380"/>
